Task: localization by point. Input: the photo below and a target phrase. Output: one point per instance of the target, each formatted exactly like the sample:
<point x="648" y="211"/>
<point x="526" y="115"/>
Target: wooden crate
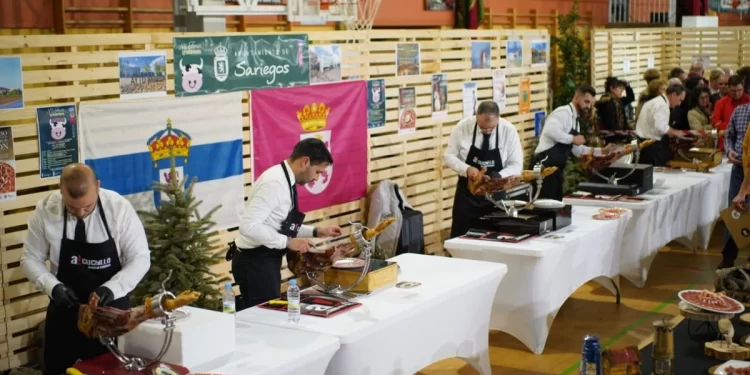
<point x="372" y="281"/>
<point x="62" y="69"/>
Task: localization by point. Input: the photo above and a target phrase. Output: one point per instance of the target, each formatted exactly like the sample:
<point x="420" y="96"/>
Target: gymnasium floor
<point x="592" y="309"/>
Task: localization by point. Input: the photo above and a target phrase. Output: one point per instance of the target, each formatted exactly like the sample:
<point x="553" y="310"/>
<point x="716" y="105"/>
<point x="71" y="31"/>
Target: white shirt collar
<point x="291" y="173"/>
<point x="573" y="109"/>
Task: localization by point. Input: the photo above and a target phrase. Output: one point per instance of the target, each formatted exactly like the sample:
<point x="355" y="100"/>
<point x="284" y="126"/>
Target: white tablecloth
<point x="670" y="212"/>
<point x="544" y="272"/>
<point x="400" y="331"/>
<point x="267" y="350"/>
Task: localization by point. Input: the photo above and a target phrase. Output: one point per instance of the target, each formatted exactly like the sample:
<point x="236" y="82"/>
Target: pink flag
<point x="335" y="113"/>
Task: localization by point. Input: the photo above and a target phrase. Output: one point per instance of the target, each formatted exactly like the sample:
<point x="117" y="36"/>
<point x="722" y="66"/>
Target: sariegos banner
<point x="127" y="144"/>
<point x="335" y="113"/>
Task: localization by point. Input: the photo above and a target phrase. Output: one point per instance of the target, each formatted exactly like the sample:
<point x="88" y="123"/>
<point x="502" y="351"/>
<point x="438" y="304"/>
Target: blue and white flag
<point x="128" y="145"/>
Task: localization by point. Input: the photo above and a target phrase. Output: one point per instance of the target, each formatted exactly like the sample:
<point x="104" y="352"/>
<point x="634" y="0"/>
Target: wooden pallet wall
<point x="670" y="48"/>
<point x="83" y="68"/>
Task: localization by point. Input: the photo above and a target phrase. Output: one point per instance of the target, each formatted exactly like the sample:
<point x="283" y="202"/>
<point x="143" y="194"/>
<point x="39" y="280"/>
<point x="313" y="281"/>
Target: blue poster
<point x="539" y="122"/>
<point x="58" y="139"/>
<point x="375" y="103"/>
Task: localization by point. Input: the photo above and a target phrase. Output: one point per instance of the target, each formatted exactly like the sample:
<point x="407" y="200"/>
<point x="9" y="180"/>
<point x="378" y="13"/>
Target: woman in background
<point x="699" y="115"/>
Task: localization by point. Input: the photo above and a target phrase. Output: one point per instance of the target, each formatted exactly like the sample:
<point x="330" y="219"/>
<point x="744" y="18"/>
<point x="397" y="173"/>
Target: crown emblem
<point x="167" y="142"/>
<point x="313" y="117"/>
<point x="221" y="51"/>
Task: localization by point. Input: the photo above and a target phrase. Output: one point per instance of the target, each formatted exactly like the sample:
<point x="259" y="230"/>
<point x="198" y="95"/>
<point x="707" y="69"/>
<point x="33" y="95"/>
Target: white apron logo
<point x="317" y="187"/>
<point x="92" y="264"/>
<point x="221" y="63"/>
<point x="484" y="163"/>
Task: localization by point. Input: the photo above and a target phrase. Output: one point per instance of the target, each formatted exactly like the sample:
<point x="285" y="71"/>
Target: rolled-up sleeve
<point x="451" y="157"/>
<point x="35" y="254"/>
<point x="252" y="224"/>
<point x="134" y="254"/>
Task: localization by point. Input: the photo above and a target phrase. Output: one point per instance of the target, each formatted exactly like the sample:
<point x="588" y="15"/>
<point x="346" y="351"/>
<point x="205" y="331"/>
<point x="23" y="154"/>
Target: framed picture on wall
<point x="439" y="4"/>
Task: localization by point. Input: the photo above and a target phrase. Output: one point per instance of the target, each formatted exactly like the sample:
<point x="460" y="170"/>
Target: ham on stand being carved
<point x="610" y="177"/>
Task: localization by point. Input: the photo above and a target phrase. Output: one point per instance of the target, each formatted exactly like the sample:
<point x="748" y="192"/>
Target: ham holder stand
<point x="621" y="178"/>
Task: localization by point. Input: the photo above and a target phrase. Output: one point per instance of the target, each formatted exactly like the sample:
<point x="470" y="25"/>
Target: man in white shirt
<point x="95" y="243"/>
<point x="498" y="149"/>
<point x="271" y="223"/>
<point x="560" y="137"/>
<point x="653" y="123"/>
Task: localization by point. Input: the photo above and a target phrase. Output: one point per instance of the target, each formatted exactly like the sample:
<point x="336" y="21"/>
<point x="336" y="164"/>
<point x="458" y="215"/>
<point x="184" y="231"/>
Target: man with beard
<point x="272" y="222"/>
<point x="561" y="136"/>
<point x="654" y="124"/>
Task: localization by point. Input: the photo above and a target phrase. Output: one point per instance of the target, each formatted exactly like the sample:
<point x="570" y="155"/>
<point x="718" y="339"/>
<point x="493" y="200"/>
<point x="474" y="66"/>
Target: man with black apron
<point x="91" y="261"/>
<point x="560" y="137"/>
<point x="500" y="152"/>
<point x="654" y="123"/>
<point x="272" y="223"/>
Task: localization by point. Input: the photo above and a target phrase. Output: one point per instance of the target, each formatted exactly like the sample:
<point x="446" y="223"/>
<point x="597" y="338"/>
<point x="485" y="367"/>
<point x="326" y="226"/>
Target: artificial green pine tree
<point x="179" y="239"/>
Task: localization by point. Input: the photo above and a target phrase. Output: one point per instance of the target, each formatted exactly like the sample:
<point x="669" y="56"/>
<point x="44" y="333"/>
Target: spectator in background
<point x="697" y="69"/>
<point x="728" y="72"/>
<point x="655" y="88"/>
<point x="677" y="73"/>
<point x="699" y="113"/>
<point x="744" y="72"/>
<point x="716" y="80"/>
<point x="610" y="108"/>
<point x="726" y="105"/>
<point x="649" y="76"/>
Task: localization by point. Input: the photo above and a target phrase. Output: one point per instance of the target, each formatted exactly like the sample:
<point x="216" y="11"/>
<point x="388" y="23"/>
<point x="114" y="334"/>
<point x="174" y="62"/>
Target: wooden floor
<point x="592" y="309"/>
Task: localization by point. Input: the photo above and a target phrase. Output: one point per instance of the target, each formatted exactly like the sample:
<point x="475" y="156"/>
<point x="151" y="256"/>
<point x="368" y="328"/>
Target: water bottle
<point x="292" y="298"/>
<point x="227" y="297"/>
<point x="591" y="356"/>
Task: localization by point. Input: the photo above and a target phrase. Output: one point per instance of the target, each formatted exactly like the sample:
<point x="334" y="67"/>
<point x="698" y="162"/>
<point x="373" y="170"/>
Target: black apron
<point x="468" y="208"/>
<point x="83" y="268"/>
<point x="557" y="156"/>
<point x="258" y="271"/>
<point x="658" y="154"/>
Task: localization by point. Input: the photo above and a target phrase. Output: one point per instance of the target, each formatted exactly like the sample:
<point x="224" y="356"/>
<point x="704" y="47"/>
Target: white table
<point x="401" y="331"/>
<point x="670" y="213"/>
<point x="544" y="272"/>
<point x="267" y="350"/>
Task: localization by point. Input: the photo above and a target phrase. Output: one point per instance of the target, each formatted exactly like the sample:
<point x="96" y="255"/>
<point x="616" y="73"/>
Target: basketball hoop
<point x="358" y="15"/>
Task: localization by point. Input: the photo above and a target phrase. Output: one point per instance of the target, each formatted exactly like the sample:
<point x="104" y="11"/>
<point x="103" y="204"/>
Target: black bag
<point x="411" y="239"/>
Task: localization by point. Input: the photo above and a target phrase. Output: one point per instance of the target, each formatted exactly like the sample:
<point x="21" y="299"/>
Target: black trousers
<point x="64" y="344"/>
<point x="658" y="154"/>
<point x="258" y="273"/>
<point x="730" y="251"/>
<point x="553" y="186"/>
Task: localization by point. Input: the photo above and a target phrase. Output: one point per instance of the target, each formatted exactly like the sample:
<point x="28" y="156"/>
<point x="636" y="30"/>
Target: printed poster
<point x="626" y="66"/>
<point x="7" y="165"/>
<point x="130" y="146"/>
<point x="650" y="62"/>
<point x="11" y="83"/>
<point x="539" y="53"/>
<point x="57" y="127"/>
<point x="143" y="74"/>
<point x="337" y="116"/>
<point x="209" y="65"/>
<point x="325" y="63"/>
<point x="705" y="60"/>
<point x="469" y="98"/>
<point x="524" y="96"/>
<point x="539" y="118"/>
<point x="514" y="53"/>
<point x="498" y="88"/>
<point x="407" y="110"/>
<point x="408" y="62"/>
<point x="375" y="103"/>
<point x="439" y="96"/>
<point x="481" y="55"/>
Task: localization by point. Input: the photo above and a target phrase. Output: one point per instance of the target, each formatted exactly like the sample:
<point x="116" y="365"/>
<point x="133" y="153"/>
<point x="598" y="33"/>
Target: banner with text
<point x="208" y="65"/>
<point x="129" y="144"/>
<point x="337" y="115"/>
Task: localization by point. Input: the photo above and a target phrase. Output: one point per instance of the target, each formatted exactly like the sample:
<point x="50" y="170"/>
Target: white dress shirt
<point x="653" y="122"/>
<point x="557" y="129"/>
<point x="461" y="140"/>
<point x="45" y="235"/>
<point x="268" y="205"/>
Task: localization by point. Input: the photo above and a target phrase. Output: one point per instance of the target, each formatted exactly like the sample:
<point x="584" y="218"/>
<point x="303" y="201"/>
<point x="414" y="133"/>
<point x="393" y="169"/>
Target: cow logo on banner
<point x="313" y="118"/>
<point x="160" y="146"/>
<point x="221" y="63"/>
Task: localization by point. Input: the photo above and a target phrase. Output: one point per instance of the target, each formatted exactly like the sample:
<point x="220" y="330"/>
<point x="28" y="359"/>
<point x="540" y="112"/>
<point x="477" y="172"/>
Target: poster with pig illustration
<point x="57" y="127"/>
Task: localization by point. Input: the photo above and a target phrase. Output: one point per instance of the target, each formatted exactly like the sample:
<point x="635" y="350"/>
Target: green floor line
<point x="632" y="326"/>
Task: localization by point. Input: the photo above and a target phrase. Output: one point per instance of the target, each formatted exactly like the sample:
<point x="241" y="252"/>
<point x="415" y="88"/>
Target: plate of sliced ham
<point x="733" y="367"/>
<point x="710" y="301"/>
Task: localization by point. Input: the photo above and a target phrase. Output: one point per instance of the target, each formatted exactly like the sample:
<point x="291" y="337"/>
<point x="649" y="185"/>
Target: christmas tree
<point x="179" y="239"/>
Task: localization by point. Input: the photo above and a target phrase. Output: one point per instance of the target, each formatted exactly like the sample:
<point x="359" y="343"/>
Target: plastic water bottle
<point x="292" y="298"/>
<point x="227" y="297"/>
<point x="591" y="361"/>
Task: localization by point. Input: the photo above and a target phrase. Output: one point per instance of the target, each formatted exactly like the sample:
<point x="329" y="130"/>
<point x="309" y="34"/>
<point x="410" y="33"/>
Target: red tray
<point x="107" y="364"/>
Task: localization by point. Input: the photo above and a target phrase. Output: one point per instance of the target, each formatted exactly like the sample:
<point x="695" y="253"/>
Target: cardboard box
<point x="738" y="224"/>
